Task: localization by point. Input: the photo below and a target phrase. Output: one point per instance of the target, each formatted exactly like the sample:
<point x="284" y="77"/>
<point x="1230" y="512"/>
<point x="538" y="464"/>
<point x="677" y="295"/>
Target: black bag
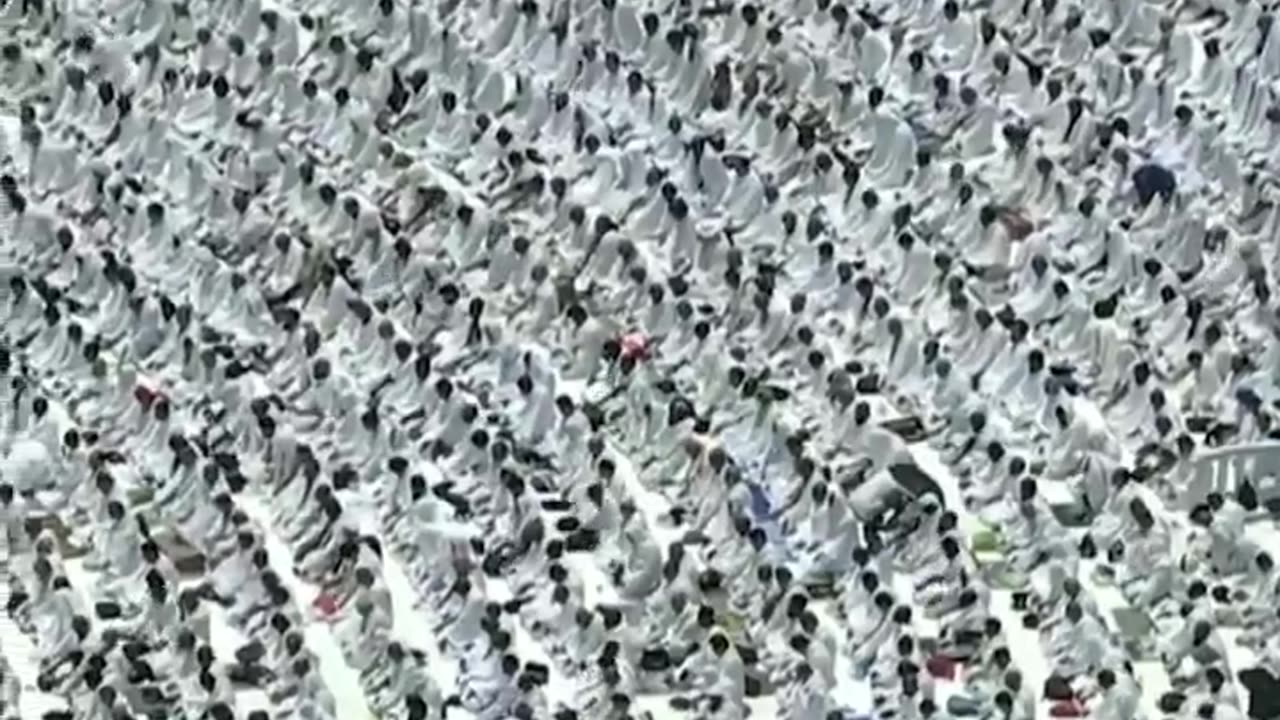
<point x="250" y="653"/>
<point x="539" y="673"/>
<point x="107" y="610"/>
<point x="1171" y="702"/>
<point x="568" y="524"/>
<point x="655" y="660"/>
<point x="1057" y="688"/>
<point x="868" y="384"/>
<point x="582" y="540"/>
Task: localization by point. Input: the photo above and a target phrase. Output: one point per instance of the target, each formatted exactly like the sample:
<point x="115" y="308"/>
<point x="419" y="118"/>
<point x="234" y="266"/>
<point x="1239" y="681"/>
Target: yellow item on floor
<point x="987" y="540"/>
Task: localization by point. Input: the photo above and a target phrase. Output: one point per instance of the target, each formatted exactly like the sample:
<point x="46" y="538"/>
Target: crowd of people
<point x="594" y="359"/>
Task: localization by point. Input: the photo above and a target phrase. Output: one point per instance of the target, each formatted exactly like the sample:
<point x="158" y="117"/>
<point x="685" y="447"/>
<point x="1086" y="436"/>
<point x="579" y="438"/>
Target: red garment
<point x="1072" y="708"/>
<point x="635" y="346"/>
<point x="145" y="396"/>
<point x="943" y="667"/>
<point x="327" y="605"/>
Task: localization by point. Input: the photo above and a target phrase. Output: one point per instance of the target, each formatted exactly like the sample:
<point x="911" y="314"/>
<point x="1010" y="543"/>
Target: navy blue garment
<point x="1151" y="180"/>
<point x="766" y="517"/>
<point x="761" y="503"/>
